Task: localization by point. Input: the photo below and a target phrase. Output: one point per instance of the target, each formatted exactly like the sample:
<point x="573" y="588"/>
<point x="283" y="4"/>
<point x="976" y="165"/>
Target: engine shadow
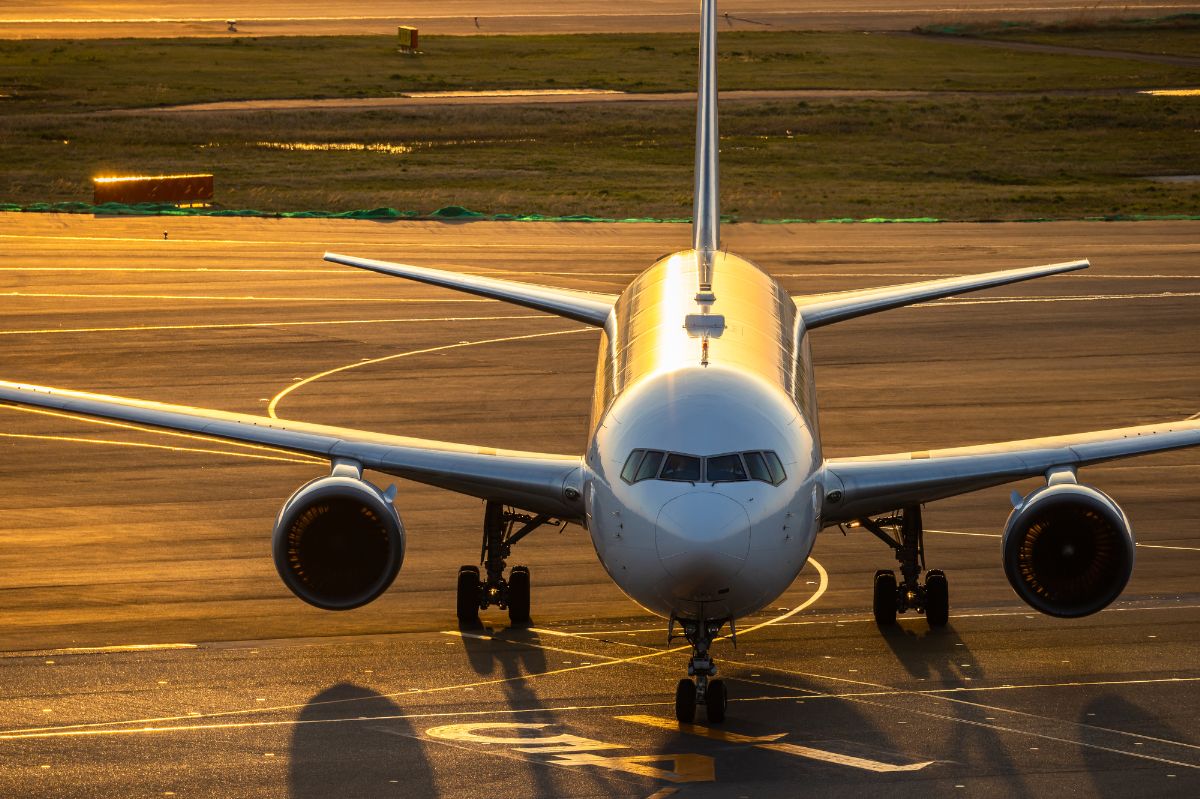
<point x="337" y="748"/>
<point x="940" y="657"/>
<point x="1116" y="775"/>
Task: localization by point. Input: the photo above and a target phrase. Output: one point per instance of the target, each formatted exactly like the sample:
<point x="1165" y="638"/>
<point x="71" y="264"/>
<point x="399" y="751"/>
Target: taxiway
<point x="147" y="647"/>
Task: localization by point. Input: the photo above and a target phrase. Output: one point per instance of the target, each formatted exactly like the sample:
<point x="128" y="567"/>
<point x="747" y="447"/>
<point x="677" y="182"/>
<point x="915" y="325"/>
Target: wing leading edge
<point x="534" y="481"/>
<point x="819" y="310"/>
<point x="881" y="483"/>
<point x="582" y="306"/>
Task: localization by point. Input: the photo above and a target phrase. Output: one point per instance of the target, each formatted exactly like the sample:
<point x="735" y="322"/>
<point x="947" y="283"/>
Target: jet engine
<point x="1068" y="550"/>
<point x="338" y="542"/>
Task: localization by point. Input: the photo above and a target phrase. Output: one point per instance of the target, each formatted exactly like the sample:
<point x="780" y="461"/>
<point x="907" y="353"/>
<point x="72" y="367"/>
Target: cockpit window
<point x="646" y="464"/>
<point x="757" y="467"/>
<point x="631" y="465"/>
<point x="778" y="475"/>
<point x="650" y="464"/>
<point x="724" y="468"/>
<point x="681" y="467"/>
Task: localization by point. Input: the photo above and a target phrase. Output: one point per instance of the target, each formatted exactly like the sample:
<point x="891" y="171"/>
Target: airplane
<point x="702" y="484"/>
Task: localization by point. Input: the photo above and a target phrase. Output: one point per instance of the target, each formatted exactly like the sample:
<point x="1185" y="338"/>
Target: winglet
<point x="819" y="310"/>
<point x="582" y="306"/>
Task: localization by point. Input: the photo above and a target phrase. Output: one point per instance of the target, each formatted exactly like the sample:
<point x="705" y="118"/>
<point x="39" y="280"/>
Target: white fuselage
<point x="672" y="378"/>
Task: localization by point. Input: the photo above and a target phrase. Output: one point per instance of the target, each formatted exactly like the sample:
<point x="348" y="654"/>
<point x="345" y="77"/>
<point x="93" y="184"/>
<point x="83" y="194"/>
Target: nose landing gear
<point x="904" y="533"/>
<point x="500" y="533"/>
<point x="702" y="692"/>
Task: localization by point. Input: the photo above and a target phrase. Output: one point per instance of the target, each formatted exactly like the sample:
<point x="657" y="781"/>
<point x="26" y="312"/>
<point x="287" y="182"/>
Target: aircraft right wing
<point x="819" y="310"/>
<point x="538" y="482"/>
<point x="581" y="306"/>
<point x="880" y="483"/>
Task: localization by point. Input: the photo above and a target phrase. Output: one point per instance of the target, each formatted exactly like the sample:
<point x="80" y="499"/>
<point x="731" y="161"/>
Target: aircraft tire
<point x="884" y="603"/>
<point x="468" y="595"/>
<point x="937" y="598"/>
<point x="685" y="702"/>
<point x="715" y="701"/>
<point x="518" y="596"/>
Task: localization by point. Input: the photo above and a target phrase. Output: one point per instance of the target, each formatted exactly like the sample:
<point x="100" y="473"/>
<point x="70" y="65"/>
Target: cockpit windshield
<point x="732" y="467"/>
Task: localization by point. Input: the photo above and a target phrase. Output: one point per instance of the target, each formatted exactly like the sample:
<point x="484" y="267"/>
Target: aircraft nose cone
<point x="702" y="539"/>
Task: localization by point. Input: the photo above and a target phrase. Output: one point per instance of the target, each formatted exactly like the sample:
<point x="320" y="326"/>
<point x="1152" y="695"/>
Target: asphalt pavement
<point x="147" y="647"/>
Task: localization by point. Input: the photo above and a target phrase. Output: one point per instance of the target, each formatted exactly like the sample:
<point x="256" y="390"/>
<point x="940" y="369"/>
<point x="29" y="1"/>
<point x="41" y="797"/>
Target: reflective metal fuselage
<point x="707" y="550"/>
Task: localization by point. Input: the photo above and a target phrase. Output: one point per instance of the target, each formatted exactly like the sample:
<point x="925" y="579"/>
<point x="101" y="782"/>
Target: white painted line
<point x="237" y="325"/>
<point x="997" y="535"/>
<point x="809" y="752"/>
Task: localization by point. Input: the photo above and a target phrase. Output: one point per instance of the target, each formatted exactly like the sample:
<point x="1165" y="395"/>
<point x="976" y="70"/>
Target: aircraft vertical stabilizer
<point x="706" y="211"/>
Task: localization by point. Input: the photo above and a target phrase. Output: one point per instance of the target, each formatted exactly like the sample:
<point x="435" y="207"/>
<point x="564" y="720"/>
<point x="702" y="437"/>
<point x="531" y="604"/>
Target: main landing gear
<point x="903" y="532"/>
<point x="702" y="692"/>
<point x="500" y="533"/>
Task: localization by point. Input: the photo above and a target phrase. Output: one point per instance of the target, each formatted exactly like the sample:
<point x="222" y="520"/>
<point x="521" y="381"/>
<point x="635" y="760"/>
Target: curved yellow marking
<point x="101" y="728"/>
<point x="276" y="399"/>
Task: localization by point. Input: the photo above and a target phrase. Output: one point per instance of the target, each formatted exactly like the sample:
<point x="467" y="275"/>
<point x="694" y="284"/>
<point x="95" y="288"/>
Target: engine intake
<point x="1068" y="550"/>
<point x="338" y="543"/>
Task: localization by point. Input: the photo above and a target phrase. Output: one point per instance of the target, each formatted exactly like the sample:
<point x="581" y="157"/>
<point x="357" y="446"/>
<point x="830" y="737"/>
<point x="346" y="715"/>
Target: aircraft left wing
<point x="882" y="483"/>
<point x="538" y="482"/>
<point x="582" y="306"/>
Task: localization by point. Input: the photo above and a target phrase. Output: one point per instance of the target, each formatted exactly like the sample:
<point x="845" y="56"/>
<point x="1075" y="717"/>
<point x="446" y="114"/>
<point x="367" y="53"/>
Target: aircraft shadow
<point x="338" y="750"/>
<point x="943" y="659"/>
<point x="1115" y="775"/>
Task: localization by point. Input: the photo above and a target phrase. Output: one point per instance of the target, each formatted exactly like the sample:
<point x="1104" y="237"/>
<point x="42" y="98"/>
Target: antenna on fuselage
<point x="706" y="213"/>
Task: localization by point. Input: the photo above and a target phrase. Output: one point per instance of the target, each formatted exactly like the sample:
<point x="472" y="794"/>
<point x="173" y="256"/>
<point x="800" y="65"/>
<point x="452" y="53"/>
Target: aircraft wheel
<point x="518" y="596"/>
<point x="937" y="598"/>
<point x="468" y="594"/>
<point x="885" y="598"/>
<point x="715" y="701"/>
<point x="685" y="701"/>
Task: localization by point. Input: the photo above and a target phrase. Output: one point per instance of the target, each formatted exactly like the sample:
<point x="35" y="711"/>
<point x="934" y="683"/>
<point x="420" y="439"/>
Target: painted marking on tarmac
<point x="282" y="454"/>
<point x="300" y="271"/>
<point x="725" y="736"/>
<point x="167" y="447"/>
<point x="97" y="650"/>
<point x="769" y="743"/>
<point x="842" y="620"/>
<point x="1138" y="544"/>
<point x="1158" y="295"/>
<point x="236" y="325"/>
<point x="663" y="794"/>
<point x="227" y="298"/>
<point x="116" y="727"/>
<point x="274" y="404"/>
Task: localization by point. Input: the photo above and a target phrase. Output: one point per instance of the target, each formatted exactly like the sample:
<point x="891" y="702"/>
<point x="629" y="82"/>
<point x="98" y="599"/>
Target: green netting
<point x="452" y="212"/>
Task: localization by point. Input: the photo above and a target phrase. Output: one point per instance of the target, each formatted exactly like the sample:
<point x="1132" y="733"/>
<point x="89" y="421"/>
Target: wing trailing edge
<point x="581" y="306"/>
<point x="819" y="310"/>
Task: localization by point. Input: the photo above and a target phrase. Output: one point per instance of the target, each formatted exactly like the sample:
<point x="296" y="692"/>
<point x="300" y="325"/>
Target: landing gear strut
<point x="903" y="532"/>
<point x="502" y="528"/>
<point x="689" y="694"/>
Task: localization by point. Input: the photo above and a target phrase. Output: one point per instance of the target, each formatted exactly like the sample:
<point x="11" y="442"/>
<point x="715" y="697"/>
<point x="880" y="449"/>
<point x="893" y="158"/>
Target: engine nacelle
<point x="338" y="542"/>
<point x="1068" y="550"/>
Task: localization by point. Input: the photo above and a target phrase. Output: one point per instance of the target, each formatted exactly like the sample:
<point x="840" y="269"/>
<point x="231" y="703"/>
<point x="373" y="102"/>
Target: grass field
<point x="1178" y="34"/>
<point x="88" y="74"/>
<point x="1057" y="152"/>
